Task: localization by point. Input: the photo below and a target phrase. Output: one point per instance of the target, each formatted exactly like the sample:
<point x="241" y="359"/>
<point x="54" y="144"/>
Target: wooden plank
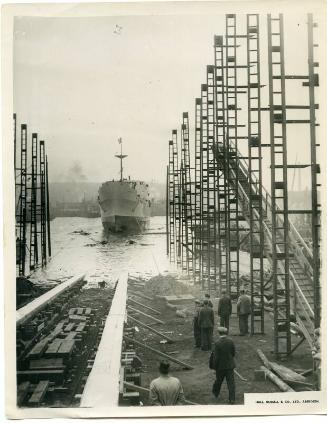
<point x="71" y="336"/>
<point x="143" y="305"/>
<point x="47" y="363"/>
<point x="39" y="392"/>
<point x="275" y="379"/>
<point x="149" y="328"/>
<point x="146" y="315"/>
<point x="121" y="379"/>
<point x="72" y="310"/>
<point x="168" y="357"/>
<point x="88" y="311"/>
<point x="80" y="327"/>
<point x="77" y="318"/>
<point x="22" y="392"/>
<point x="27" y="312"/>
<point x="66" y="347"/>
<point x="39" y="348"/>
<point x="80" y="310"/>
<point x="138" y="294"/>
<point x="69" y="327"/>
<point x="299" y="385"/>
<point x="286" y="373"/>
<point x="37" y="375"/>
<point x="54" y="346"/>
<point x="102" y="385"/>
<point x="264" y="359"/>
<point x="59" y="326"/>
<point x="307" y="372"/>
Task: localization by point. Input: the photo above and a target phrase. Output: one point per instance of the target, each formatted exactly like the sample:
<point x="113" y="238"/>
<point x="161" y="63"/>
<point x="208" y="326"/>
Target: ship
<point x="125" y="204"/>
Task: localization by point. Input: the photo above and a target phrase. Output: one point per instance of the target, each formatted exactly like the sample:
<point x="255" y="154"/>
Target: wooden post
<point x="149" y="328"/>
<point x="166" y="356"/>
<point x="263" y="358"/>
<point x="140" y="295"/>
<point x="275" y="379"/>
<point x="143" y="305"/>
<point x="144" y="314"/>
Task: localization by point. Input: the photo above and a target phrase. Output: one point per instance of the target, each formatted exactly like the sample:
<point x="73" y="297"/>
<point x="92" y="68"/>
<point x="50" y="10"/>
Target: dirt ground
<point x="197" y="383"/>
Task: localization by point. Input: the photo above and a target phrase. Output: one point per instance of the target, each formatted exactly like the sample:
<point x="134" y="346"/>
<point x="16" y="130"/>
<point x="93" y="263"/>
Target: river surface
<point x="79" y="245"/>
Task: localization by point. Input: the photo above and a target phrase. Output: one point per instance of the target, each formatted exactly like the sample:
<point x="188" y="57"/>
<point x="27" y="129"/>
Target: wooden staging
<point x="102" y="386"/>
<point x="36" y="305"/>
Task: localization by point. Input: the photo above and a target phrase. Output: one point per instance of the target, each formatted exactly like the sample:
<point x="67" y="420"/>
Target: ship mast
<point x="121" y="156"/>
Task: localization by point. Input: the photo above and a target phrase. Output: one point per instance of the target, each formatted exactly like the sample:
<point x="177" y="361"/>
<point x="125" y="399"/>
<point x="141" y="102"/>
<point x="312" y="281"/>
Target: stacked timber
<point x="48" y="361"/>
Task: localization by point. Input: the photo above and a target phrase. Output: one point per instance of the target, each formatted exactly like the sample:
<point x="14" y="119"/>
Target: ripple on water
<point x="79" y="245"/>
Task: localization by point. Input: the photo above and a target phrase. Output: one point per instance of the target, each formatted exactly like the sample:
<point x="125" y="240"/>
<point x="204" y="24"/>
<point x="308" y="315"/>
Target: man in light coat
<point x="243" y="312"/>
<point x="166" y="389"/>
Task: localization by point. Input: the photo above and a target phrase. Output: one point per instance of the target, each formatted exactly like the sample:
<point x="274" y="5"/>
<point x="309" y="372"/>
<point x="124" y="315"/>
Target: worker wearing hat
<point x="223" y="363"/>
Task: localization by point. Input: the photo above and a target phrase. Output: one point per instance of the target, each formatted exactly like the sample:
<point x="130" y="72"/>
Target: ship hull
<point x="124" y="206"/>
<point x="128" y="224"/>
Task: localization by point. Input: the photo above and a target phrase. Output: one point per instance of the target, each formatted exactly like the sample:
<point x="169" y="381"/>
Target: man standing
<point x="207" y="297"/>
<point x="196" y="327"/>
<point x="223" y="363"/>
<point x="224" y="309"/>
<point x="243" y="312"/>
<point x="206" y="323"/>
<point x="166" y="389"/>
<point x="316" y="354"/>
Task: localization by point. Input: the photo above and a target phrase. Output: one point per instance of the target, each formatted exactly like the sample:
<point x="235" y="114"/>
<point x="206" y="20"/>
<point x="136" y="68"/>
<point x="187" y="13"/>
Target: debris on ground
<point x="167" y="285"/>
<point x="80" y="232"/>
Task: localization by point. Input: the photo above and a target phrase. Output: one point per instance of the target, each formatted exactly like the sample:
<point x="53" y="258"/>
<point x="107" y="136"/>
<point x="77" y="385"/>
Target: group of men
<point x="167" y="390"/>
<point x="204" y="319"/>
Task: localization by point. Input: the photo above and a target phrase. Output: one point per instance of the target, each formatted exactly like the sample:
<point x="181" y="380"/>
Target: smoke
<point x="75" y="173"/>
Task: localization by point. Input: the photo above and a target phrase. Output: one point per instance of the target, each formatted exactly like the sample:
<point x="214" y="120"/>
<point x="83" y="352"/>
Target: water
<point x="103" y="257"/>
<point x="79" y="245"/>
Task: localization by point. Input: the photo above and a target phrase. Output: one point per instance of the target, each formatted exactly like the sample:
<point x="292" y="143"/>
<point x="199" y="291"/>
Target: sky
<point x="82" y="83"/>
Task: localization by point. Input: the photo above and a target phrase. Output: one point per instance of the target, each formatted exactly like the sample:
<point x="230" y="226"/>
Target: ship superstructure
<point x="125" y="204"/>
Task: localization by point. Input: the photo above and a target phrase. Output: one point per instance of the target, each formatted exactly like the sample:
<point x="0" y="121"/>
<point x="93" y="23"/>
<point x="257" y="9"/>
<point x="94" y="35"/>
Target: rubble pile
<point x="161" y="285"/>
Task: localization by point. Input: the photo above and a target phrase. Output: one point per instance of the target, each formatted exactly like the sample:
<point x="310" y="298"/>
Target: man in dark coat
<point x="224" y="309"/>
<point x="206" y="323"/>
<point x="223" y="363"/>
<point x="196" y="327"/>
<point x="243" y="312"/>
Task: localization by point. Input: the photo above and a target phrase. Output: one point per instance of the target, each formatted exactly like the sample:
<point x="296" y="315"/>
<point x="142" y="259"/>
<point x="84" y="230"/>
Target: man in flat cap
<point x="223" y="363"/>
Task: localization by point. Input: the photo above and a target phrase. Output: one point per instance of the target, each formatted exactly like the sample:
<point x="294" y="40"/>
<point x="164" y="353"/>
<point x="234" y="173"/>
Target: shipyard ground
<point x="197" y="383"/>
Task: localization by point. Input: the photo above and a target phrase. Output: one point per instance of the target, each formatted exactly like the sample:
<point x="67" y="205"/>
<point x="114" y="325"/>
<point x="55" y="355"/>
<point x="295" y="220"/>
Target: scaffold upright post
<point x="279" y="190"/>
<point x="256" y="236"/>
<point x="315" y="171"/>
<point x="197" y="194"/>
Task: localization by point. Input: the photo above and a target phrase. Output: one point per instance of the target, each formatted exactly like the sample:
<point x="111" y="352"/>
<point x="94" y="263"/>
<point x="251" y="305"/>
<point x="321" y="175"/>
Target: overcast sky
<point x="82" y="83"/>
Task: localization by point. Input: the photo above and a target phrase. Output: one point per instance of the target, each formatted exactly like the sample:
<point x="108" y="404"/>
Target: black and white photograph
<point x="163" y="243"/>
